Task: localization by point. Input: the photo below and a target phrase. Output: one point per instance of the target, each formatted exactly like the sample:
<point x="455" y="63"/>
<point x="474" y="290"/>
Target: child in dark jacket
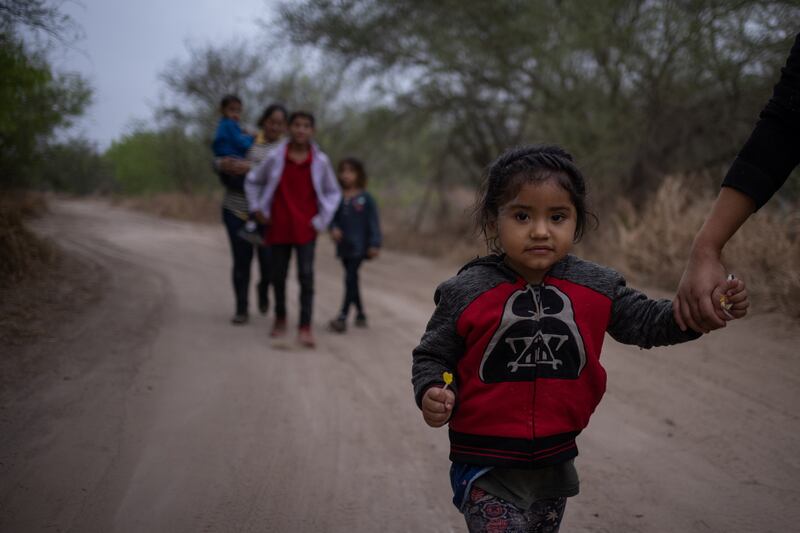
<point x="356" y="230"/>
<point x="515" y="344"/>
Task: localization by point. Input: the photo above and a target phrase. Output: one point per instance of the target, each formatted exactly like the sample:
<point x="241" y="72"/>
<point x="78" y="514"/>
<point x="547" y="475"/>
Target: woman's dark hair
<point x="301" y="114"/>
<point x="529" y="164"/>
<point x="269" y="111"/>
<point x="227" y="100"/>
<point x="357" y="166"/>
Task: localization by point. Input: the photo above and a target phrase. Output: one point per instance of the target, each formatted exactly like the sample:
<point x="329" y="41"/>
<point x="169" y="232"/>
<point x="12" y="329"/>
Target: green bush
<point x="160" y="161"/>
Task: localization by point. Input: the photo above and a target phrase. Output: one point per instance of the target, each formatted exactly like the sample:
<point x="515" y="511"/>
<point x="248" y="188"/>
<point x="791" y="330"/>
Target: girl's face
<point x="274" y="126"/>
<point x="537" y="228"/>
<point x="348" y="177"/>
<point x="301" y="130"/>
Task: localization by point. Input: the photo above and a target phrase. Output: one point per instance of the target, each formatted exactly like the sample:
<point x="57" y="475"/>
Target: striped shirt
<point x="235" y="201"/>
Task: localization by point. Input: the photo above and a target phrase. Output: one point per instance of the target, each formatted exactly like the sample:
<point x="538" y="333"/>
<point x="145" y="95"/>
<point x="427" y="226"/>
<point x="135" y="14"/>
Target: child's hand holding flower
<point x="437" y="406"/>
<point x="731" y="299"/>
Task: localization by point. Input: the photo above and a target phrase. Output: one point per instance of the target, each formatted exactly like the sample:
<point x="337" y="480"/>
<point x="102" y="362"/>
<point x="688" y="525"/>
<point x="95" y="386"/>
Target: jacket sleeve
<point x="329" y="200"/>
<point x="773" y="149"/>
<point x="374" y="237"/>
<point x="642" y="321"/>
<point x="241" y="140"/>
<point x="441" y="346"/>
<point x="255" y="183"/>
<point x="336" y="221"/>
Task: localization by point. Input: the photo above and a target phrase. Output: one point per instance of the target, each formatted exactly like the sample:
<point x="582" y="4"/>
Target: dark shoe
<point x="338" y="325"/>
<point x="361" y="321"/>
<point x="239" y="319"/>
<point x="278" y="328"/>
<point x="305" y="337"/>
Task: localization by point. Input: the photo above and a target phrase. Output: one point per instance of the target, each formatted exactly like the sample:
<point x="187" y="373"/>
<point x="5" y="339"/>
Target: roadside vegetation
<point x="653" y="99"/>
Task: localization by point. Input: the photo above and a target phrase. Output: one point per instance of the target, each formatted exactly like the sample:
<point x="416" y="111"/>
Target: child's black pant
<point x="352" y="293"/>
<point x="281" y="254"/>
<point x="242" y="252"/>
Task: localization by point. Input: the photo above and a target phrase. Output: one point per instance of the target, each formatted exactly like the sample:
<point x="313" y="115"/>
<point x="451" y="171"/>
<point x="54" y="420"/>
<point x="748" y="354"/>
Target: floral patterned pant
<point x="486" y="513"/>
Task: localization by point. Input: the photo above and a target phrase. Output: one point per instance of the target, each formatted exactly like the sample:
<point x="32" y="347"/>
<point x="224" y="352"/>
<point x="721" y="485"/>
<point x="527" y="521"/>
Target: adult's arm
<point x="773" y="149"/>
<point x="232" y="166"/>
<point x="759" y="170"/>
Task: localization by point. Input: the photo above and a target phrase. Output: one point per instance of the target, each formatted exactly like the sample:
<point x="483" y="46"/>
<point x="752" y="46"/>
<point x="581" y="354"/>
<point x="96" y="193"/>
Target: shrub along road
<point x="148" y="411"/>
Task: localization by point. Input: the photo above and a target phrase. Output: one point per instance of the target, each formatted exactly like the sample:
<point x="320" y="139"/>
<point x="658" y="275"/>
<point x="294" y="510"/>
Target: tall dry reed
<point x="654" y="243"/>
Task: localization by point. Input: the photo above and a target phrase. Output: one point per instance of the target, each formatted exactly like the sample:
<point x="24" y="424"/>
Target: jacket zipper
<point x="538" y="302"/>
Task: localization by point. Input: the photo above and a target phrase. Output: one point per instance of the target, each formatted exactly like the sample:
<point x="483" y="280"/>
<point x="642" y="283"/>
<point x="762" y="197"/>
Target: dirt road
<point x="150" y="412"/>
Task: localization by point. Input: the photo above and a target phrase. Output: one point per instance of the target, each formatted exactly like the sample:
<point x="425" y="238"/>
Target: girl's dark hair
<point x="301" y="114"/>
<point x="358" y="166"/>
<point x="529" y="164"/>
<point x="271" y="108"/>
<point x="229" y="99"/>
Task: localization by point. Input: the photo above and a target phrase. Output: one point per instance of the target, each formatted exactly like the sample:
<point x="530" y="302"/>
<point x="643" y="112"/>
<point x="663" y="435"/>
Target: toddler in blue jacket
<point x="231" y="141"/>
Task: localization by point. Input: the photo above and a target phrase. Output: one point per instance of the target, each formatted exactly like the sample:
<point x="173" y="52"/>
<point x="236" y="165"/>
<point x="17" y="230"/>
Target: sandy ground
<point x="147" y="411"/>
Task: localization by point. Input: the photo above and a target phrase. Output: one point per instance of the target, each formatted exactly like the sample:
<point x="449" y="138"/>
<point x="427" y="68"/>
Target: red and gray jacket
<point x="526" y="358"/>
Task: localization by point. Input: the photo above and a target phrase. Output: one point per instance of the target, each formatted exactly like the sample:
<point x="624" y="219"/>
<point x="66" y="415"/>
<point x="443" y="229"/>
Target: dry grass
<point x="655" y="243"/>
<point x="650" y="245"/>
<point x="449" y="238"/>
<point x="200" y="207"/>
<point x="24" y="254"/>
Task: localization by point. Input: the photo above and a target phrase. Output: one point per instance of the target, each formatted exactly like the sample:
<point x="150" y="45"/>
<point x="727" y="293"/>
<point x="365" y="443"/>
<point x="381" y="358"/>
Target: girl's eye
<point x="558" y="217"/>
<point x="521" y="216"/>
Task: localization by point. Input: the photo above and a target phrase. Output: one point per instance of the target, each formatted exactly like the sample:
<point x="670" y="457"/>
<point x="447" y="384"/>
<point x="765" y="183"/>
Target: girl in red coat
<point x="521" y="330"/>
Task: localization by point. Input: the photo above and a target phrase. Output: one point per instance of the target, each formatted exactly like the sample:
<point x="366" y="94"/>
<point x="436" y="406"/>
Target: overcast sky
<point x="128" y="43"/>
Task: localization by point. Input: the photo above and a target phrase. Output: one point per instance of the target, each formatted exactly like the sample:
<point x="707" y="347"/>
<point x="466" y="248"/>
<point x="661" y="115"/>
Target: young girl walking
<point x="356" y="230"/>
<point x="519" y="334"/>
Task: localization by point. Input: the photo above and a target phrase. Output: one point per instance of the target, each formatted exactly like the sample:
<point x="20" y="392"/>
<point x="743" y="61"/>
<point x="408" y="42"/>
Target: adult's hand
<point x="234" y="166"/>
<point x="693" y="305"/>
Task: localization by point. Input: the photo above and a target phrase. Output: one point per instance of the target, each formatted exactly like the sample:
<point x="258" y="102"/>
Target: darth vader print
<point x="537" y="338"/>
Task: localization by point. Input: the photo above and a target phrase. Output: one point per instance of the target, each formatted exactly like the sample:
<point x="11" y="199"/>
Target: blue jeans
<point x="242" y="252"/>
<point x="352" y="294"/>
<point x="281" y="254"/>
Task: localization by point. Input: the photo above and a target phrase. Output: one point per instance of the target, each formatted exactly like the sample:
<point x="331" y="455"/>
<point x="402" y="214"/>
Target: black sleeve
<point x="644" y="322"/>
<point x="773" y="149"/>
<point x="440" y="348"/>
